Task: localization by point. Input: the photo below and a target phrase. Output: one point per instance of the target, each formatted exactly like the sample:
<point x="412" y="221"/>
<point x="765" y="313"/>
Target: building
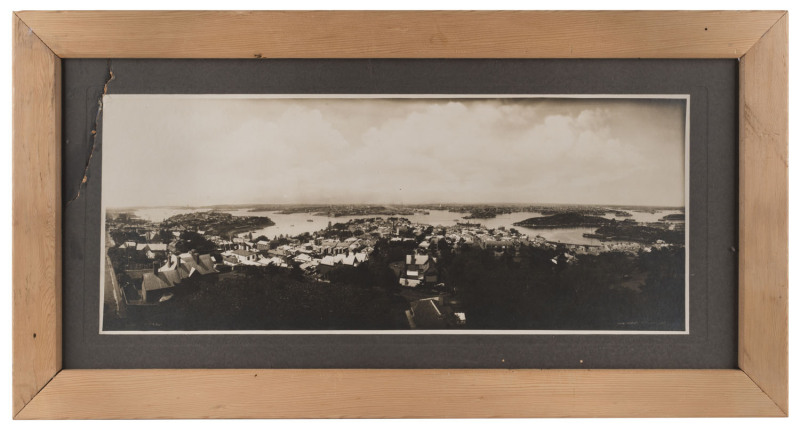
<point x="244" y="256"/>
<point x="434" y="313"/>
<point x="426" y="314"/>
<point x="178" y="271"/>
<point x="157" y="286"/>
<point x="417" y="265"/>
<point x="152" y="250"/>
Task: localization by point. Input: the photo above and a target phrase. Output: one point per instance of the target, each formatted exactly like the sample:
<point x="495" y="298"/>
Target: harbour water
<point x="298" y="223"/>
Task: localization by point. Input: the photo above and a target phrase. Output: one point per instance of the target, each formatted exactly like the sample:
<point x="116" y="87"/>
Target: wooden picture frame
<point x="41" y="389"/>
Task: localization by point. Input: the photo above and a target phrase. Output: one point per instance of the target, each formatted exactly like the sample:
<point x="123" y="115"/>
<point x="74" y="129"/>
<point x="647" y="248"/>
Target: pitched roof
<point x="302" y="258"/>
<point x="151" y="281"/>
<point x="416" y="259"/>
<point x="206" y="262"/>
<point x="151" y="247"/>
<point x="203" y="265"/>
<point x="427" y="314"/>
<point x="277" y="261"/>
<point x="309" y="265"/>
<point x="244" y="253"/>
<point x="410" y="282"/>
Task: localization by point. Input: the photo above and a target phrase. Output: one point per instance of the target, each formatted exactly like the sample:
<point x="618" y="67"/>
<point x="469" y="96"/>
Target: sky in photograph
<point x="178" y="150"/>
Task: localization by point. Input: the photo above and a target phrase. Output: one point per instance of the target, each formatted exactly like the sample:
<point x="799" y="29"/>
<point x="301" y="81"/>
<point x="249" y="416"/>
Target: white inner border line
<point x="686" y="168"/>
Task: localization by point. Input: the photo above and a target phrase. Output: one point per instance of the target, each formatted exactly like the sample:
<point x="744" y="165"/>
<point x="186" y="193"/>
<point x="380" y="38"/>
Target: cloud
<point x="214" y="150"/>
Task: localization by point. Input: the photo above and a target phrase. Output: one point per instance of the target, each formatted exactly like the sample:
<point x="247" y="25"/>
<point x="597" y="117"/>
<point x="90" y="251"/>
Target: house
<point x="417" y="261"/>
<point x="327" y="261"/>
<point x="151" y="235"/>
<point x="158" y="285"/>
<point x="244" y="245"/>
<point x="434" y="313"/>
<point x="310" y="266"/>
<point x="326" y="247"/>
<point x="187" y="263"/>
<point x="229" y="260"/>
<point x="244" y="256"/>
<point x="303" y="258"/>
<point x="426" y="314"/>
<point x="288" y="249"/>
<point x="326" y="265"/>
<point x="341" y="248"/>
<point x="417" y="265"/>
<point x="350" y="260"/>
<point x="127" y="245"/>
<point x="412" y="283"/>
<point x="278" y="261"/>
<point x="202" y="263"/>
<point x="152" y="249"/>
<point x="262" y="245"/>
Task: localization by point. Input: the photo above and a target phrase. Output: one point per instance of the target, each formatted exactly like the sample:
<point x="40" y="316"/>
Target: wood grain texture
<point x="763" y="213"/>
<point x="36" y="215"/>
<point x="135" y="394"/>
<point x="395" y="393"/>
<point x="400" y="34"/>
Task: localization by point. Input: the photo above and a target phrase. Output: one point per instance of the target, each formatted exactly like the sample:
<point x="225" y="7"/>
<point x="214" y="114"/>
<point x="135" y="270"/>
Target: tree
<point x="445" y="252"/>
<point x="165" y="236"/>
<point x="194" y="241"/>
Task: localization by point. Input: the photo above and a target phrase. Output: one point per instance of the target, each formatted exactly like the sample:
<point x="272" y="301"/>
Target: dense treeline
<point x="536" y="289"/>
<point x="542" y="289"/>
<point x="271" y="299"/>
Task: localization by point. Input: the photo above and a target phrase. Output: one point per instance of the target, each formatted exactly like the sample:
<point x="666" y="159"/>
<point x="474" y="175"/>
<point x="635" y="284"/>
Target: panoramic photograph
<point x="396" y="214"/>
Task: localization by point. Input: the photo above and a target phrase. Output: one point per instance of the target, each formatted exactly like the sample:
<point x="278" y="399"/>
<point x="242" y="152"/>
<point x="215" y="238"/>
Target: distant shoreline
<point x="443" y="205"/>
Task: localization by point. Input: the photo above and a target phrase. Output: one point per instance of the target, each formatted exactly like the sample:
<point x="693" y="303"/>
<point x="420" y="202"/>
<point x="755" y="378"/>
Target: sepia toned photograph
<point x="395" y="214"/>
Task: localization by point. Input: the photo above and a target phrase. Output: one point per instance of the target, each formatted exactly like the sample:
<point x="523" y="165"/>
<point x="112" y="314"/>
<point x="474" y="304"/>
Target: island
<point x="217" y="223"/>
<point x="674" y="217"/>
<point x="566" y="219"/>
<point x="632" y="232"/>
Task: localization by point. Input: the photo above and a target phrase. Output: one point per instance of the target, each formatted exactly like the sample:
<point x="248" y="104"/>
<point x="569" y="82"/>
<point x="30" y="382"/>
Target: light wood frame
<point x="41" y="389"/>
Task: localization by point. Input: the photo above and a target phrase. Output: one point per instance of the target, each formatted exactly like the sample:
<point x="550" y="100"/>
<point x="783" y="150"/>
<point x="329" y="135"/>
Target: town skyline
<point x="203" y="151"/>
<point x="416" y="204"/>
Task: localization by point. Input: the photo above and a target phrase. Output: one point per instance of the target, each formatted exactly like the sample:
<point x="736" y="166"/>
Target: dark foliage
<point x="271" y="299"/>
<point x="194" y="241"/>
<point x="589" y="293"/>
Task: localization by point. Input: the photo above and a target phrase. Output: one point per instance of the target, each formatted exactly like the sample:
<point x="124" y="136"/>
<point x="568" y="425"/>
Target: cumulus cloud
<point x="179" y="150"/>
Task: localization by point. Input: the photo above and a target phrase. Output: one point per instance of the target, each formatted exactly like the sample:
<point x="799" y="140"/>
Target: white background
<point x="5" y="195"/>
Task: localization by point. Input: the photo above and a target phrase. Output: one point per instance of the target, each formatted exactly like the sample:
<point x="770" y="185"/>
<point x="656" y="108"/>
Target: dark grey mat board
<point x="712" y="85"/>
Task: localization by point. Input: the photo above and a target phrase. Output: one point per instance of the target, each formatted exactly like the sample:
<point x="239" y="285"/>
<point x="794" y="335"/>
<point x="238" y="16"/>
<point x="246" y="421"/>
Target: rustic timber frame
<point x="42" y="390"/>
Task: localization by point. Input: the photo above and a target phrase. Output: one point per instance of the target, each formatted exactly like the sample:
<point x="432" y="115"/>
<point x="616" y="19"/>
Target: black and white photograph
<point x="395" y="214"/>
